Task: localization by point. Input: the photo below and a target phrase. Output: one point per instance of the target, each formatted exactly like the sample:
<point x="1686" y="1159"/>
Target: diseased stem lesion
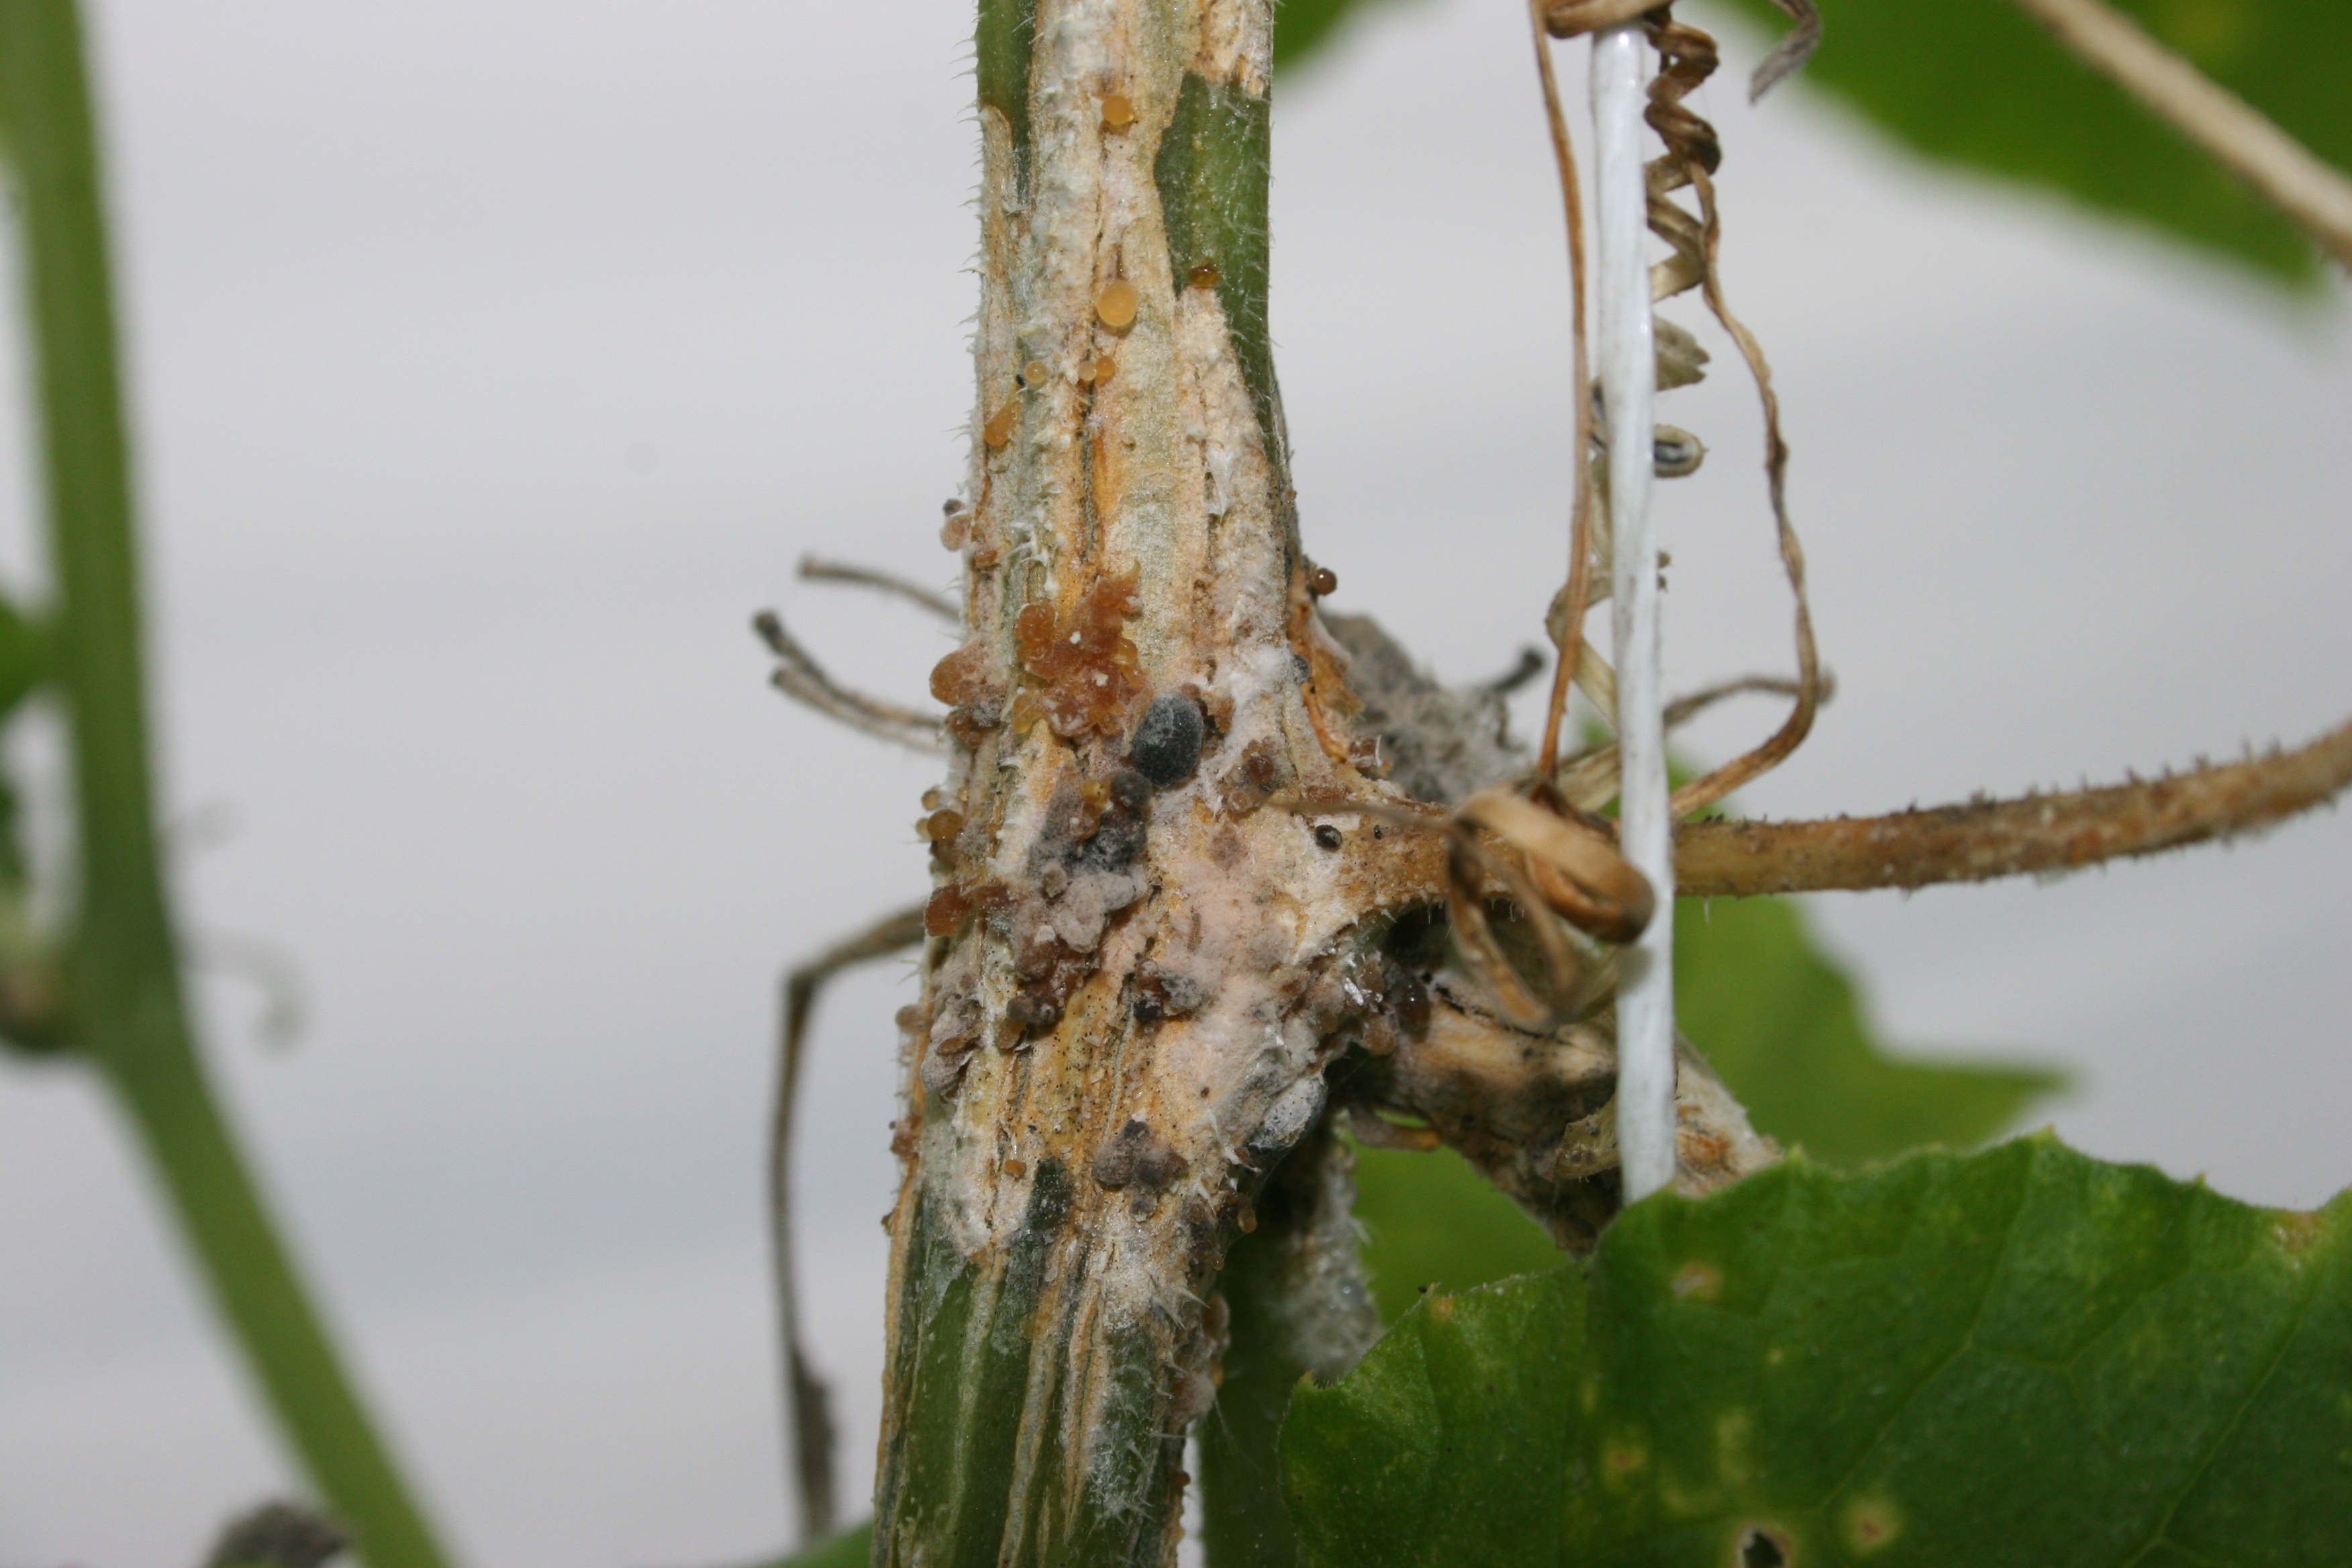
<point x="1135" y="969"/>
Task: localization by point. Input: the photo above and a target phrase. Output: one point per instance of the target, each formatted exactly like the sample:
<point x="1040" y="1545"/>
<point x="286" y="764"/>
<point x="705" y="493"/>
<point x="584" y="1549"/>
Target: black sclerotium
<point x="1168" y="742"/>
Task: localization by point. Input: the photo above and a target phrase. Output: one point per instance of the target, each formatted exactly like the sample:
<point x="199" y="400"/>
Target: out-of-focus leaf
<point x="1302" y="27"/>
<point x="2023" y="1356"/>
<point x="1977" y="83"/>
<point x="1431" y="1221"/>
<point x="853" y="1548"/>
<point x="1781" y="1024"/>
<point x="24" y="657"/>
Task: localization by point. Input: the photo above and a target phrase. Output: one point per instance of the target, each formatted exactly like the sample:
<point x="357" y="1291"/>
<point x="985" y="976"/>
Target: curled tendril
<point x="1573" y="18"/>
<point x="1687" y="57"/>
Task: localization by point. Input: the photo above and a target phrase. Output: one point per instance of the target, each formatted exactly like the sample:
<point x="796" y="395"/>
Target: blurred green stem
<point x="1299" y="1307"/>
<point x="124" y="989"/>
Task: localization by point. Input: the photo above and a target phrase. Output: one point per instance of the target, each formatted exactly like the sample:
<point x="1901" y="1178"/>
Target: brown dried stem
<point x="1570" y="616"/>
<point x="814" y="570"/>
<point x="1984" y="840"/>
<point x="798" y="674"/>
<point x="1588" y="780"/>
<point x="2235" y="134"/>
<point x="1792" y="52"/>
<point x="1531" y="1111"/>
<point x="1544" y="862"/>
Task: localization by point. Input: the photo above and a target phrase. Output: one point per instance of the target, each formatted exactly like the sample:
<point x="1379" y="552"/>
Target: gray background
<point x="492" y="361"/>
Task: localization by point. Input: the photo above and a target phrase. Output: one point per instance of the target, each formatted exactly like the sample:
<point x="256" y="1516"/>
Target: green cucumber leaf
<point x="1977" y="84"/>
<point x="1432" y="1221"/>
<point x="1302" y="29"/>
<point x="1784" y="1028"/>
<point x="2018" y="1357"/>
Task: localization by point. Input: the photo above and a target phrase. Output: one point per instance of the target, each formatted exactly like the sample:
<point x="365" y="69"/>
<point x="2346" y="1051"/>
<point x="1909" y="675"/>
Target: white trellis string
<point x="1628" y="366"/>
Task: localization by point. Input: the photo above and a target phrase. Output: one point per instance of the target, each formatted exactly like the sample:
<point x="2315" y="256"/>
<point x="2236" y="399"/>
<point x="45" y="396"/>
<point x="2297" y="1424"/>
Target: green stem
<point x="1126" y="1008"/>
<point x="1298" y="1306"/>
<point x="125" y="994"/>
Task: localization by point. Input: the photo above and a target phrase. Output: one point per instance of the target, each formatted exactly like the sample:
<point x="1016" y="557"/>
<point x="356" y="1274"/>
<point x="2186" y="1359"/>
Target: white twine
<point x="1622" y="67"/>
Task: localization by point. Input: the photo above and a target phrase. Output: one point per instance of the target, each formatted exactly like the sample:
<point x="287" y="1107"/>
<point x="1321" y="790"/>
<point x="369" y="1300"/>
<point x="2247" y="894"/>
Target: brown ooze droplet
<point x="1088" y="671"/>
<point x="1322" y="581"/>
<point x="965" y="676"/>
<point x="948" y="910"/>
<point x="1204" y="275"/>
<point x="1115" y="305"/>
<point x="1118" y="114"/>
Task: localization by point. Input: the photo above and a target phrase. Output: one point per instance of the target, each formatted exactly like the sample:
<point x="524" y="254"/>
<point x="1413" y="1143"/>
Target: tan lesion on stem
<point x="1128" y="980"/>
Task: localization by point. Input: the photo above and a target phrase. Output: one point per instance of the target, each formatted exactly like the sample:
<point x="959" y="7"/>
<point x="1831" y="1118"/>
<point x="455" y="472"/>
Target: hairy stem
<point x="1984" y="840"/>
<point x="1140" y="961"/>
<point x="124" y="982"/>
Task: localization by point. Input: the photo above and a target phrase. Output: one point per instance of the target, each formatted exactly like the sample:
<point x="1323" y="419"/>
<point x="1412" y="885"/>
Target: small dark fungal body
<point x="1166" y="746"/>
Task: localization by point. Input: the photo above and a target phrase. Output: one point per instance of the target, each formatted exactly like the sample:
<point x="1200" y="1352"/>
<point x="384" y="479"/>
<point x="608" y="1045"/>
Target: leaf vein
<point x="2236" y="1418"/>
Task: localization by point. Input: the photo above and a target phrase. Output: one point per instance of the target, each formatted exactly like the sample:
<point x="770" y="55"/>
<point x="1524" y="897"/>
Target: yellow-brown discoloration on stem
<point x="1129" y="986"/>
<point x="1236" y="45"/>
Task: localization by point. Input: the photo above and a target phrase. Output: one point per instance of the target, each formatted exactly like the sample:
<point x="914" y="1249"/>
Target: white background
<point x="493" y="362"/>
